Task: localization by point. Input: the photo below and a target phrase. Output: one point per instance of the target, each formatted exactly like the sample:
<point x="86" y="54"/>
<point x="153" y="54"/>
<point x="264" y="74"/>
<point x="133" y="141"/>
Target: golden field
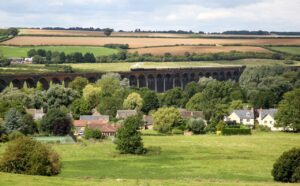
<point x="143" y="42"/>
<point x="180" y="50"/>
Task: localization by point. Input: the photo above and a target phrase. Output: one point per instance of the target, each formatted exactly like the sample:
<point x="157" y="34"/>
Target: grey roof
<point x="264" y="112"/>
<point x="123" y="114"/>
<point x="90" y="118"/>
<point x="244" y="114"/>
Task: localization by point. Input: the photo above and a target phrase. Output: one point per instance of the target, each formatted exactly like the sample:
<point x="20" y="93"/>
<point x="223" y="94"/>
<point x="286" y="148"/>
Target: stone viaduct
<point x="157" y="79"/>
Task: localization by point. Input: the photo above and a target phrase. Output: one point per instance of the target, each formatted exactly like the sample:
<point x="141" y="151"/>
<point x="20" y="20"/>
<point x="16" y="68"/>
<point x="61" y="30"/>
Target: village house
<point x="267" y="118"/>
<point x="37" y="114"/>
<point x="105" y="128"/>
<point x="245" y="117"/>
<point x="124" y="114"/>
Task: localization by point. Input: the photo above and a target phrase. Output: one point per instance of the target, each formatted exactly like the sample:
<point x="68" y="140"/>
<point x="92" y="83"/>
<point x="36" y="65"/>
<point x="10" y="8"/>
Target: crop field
<point x="11" y="51"/>
<point x="172" y="160"/>
<point x="118" y="67"/>
<point x="291" y="50"/>
<point x="180" y="50"/>
<point x="37" y="32"/>
<point x="143" y="42"/>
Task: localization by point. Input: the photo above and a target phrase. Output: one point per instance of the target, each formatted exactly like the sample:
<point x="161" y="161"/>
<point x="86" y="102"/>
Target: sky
<point x="196" y="15"/>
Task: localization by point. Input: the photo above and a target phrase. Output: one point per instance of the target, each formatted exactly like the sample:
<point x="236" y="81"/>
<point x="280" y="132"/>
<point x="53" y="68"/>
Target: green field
<point x="290" y="50"/>
<point x="109" y="67"/>
<point x="183" y="160"/>
<point x="10" y="51"/>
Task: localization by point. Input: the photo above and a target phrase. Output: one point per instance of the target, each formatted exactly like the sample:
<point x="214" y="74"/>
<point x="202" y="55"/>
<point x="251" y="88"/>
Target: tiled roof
<point x="244" y="114"/>
<point x="264" y="112"/>
<point x="89" y="117"/>
<point x="105" y="127"/>
<point x="83" y="123"/>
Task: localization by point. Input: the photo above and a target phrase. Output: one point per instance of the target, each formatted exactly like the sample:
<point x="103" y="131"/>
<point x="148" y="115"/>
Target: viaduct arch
<point x="156" y="79"/>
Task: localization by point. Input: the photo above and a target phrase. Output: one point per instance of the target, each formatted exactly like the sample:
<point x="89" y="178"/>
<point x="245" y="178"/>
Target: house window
<point x="271" y="122"/>
<point x="248" y="120"/>
<point x="265" y="122"/>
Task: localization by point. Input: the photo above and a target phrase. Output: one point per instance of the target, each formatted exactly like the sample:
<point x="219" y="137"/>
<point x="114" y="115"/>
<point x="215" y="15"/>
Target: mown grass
<point x="183" y="160"/>
<point x="12" y="51"/>
<point x="290" y="50"/>
<point x="119" y="67"/>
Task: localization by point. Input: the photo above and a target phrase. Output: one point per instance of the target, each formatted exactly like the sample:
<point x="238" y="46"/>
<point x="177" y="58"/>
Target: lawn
<point x="183" y="160"/>
<point x="117" y="67"/>
<point x="291" y="50"/>
<point x="11" y="51"/>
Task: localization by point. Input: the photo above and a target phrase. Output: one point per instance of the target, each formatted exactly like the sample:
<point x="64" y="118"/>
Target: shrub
<point x="287" y="166"/>
<point x="90" y="133"/>
<point x="177" y="131"/>
<point x="27" y="156"/>
<point x="3" y="138"/>
<point x="263" y="128"/>
<point x="197" y="126"/>
<point x="15" y="135"/>
<point x="236" y="131"/>
<point x="221" y="125"/>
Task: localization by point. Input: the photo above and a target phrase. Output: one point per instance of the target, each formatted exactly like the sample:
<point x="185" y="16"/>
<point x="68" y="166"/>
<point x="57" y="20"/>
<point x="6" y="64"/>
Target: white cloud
<point x="217" y="15"/>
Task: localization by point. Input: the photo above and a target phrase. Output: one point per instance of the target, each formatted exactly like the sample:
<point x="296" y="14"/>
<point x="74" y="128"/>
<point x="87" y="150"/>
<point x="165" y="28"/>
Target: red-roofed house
<point x="105" y="128"/>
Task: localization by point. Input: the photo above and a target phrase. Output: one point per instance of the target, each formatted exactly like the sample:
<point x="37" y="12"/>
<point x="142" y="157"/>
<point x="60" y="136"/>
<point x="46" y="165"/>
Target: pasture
<point x="13" y="51"/>
<point x="290" y="50"/>
<point x="121" y="67"/>
<point x="172" y="160"/>
<point x="181" y="50"/>
<point x="143" y="42"/>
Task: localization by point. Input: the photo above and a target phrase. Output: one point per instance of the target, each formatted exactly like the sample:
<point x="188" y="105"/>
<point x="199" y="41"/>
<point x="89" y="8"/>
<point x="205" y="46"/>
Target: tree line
<point x="41" y="56"/>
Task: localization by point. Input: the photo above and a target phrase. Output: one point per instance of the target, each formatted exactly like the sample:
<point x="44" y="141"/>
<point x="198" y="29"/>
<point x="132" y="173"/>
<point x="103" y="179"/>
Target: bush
<point x="221" y="125"/>
<point x="263" y="128"/>
<point x="27" y="156"/>
<point x="90" y="133"/>
<point x="177" y="131"/>
<point x="3" y="138"/>
<point x="287" y="166"/>
<point x="197" y="126"/>
<point x="235" y="131"/>
<point x="15" y="135"/>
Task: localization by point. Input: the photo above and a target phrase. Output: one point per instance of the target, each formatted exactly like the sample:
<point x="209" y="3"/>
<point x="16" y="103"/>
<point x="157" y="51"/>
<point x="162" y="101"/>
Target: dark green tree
<point x="151" y="102"/>
<point x="108" y="31"/>
<point x="56" y="122"/>
<point x="288" y="115"/>
<point x="128" y="139"/>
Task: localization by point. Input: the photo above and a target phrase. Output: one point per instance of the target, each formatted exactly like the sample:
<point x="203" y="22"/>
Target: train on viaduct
<point x="156" y="79"/>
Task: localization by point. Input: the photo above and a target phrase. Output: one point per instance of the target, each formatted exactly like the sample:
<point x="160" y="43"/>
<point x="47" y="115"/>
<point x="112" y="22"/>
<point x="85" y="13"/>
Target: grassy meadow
<point x="12" y="51"/>
<point x="172" y="160"/>
<point x="118" y="67"/>
<point x="290" y="50"/>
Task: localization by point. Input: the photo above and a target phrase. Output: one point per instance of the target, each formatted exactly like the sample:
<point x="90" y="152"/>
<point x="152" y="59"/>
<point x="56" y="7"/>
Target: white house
<point x="245" y="117"/>
<point x="267" y="118"/>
